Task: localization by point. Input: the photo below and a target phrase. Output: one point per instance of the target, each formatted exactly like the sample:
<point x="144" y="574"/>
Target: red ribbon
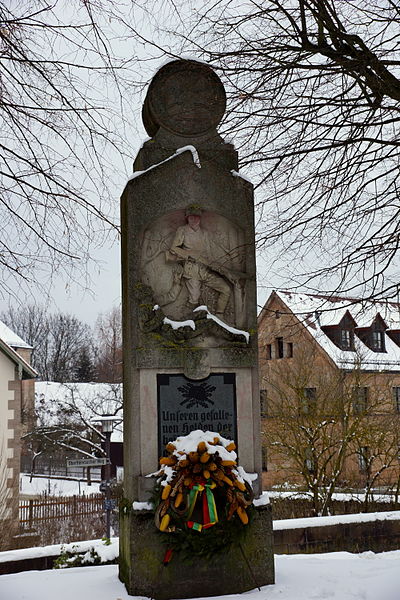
<point x="167" y="557"/>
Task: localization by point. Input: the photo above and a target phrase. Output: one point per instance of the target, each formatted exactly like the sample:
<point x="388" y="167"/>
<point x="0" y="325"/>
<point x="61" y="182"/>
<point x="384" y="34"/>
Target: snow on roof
<point x="88" y="392"/>
<point x="317" y="311"/>
<point x="11" y="338"/>
<point x="25" y="369"/>
<point x="333" y="309"/>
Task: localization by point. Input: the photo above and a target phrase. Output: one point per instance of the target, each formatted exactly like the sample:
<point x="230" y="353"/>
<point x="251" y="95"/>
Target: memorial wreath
<point x="203" y="499"/>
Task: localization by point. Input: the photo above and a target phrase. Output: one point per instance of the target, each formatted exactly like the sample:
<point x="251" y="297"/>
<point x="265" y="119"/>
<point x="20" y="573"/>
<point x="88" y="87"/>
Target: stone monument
<point x="189" y="321"/>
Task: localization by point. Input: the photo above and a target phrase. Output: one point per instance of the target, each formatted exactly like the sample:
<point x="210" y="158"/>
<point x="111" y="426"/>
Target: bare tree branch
<point x="314" y="108"/>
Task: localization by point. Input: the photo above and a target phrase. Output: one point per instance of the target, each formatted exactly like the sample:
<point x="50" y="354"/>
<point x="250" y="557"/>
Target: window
<point x="264" y="457"/>
<point x="289" y="349"/>
<point x="263" y="403"/>
<point x="378" y="340"/>
<point x="346" y="339"/>
<point x="269" y="351"/>
<point x="360" y="400"/>
<point x="309" y="460"/>
<point x="308" y="400"/>
<point x="396" y="397"/>
<point x="279" y="347"/>
<point x="363" y="455"/>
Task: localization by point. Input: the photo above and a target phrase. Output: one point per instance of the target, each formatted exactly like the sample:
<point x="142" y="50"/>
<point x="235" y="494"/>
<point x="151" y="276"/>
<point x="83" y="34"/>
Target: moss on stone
<point x="125" y="507"/>
<point x="165" y="342"/>
<point x="183" y="579"/>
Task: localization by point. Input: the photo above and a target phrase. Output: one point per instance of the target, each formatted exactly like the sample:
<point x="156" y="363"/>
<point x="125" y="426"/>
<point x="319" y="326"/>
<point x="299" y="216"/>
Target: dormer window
<point x="378" y="340"/>
<point x="377" y="334"/>
<point x="342" y="334"/>
<point x="374" y="335"/>
<point x="346" y="339"/>
<point x="394" y="335"/>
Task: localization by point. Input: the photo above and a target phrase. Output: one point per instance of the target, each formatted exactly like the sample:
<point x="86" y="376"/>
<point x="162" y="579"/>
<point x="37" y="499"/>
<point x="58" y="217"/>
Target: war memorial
<point x="191" y="397"/>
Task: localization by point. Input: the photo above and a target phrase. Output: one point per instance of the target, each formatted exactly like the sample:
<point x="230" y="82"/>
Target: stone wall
<point x="377" y="536"/>
<point x="294" y="508"/>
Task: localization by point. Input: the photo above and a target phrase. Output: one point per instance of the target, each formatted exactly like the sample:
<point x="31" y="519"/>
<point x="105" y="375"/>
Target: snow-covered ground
<point x="336" y="576"/>
<point x="393" y="515"/>
<point x="107" y="552"/>
<point x="55" y="487"/>
<point x="340" y="496"/>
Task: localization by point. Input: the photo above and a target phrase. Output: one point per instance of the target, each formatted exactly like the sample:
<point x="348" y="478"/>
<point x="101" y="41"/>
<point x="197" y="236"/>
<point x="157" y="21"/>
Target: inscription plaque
<point x="185" y="405"/>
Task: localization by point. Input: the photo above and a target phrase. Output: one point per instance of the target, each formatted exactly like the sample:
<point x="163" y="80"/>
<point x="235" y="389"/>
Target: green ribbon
<point x="210" y="516"/>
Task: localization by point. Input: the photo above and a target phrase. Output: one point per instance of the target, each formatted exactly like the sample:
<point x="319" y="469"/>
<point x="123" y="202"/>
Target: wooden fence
<point x="63" y="507"/>
<point x="51" y="467"/>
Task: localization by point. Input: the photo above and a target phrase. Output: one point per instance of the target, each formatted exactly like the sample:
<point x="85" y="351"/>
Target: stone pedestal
<point x="234" y="572"/>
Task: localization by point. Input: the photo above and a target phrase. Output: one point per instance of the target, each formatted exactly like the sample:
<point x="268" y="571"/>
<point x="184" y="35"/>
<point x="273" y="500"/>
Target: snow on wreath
<point x="203" y="499"/>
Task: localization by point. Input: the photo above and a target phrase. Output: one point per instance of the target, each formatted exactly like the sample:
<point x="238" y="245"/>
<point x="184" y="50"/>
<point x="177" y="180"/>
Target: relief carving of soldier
<point x="189" y="263"/>
<point x="192" y="248"/>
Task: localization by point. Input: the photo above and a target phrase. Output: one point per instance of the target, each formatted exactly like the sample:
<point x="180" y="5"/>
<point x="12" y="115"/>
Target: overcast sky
<point x="101" y="289"/>
<point x="86" y="297"/>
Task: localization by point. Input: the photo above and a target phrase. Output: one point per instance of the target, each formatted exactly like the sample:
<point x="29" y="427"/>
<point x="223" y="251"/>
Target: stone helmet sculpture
<point x="193" y="209"/>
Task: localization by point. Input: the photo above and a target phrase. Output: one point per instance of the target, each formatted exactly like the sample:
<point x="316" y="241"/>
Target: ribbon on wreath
<point x="210" y="516"/>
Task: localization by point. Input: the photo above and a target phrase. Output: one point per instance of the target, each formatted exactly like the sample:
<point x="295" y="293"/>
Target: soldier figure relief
<point x="191" y="246"/>
<point x="188" y="263"/>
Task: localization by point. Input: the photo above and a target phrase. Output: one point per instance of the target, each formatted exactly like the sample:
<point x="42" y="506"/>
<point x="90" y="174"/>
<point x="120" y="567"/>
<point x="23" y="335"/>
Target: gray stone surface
<point x="228" y="573"/>
<point x="153" y="208"/>
<point x="377" y="536"/>
<point x="184" y="98"/>
<point x="147" y="417"/>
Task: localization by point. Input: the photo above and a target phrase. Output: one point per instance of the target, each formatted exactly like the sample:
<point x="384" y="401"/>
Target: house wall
<point x="10" y="416"/>
<point x="385" y="419"/>
<point x="28" y="394"/>
<point x="275" y="374"/>
<point x="310" y="366"/>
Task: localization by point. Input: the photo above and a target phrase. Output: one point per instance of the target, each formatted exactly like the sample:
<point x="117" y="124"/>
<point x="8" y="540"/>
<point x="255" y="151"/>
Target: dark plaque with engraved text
<point x="185" y="405"/>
